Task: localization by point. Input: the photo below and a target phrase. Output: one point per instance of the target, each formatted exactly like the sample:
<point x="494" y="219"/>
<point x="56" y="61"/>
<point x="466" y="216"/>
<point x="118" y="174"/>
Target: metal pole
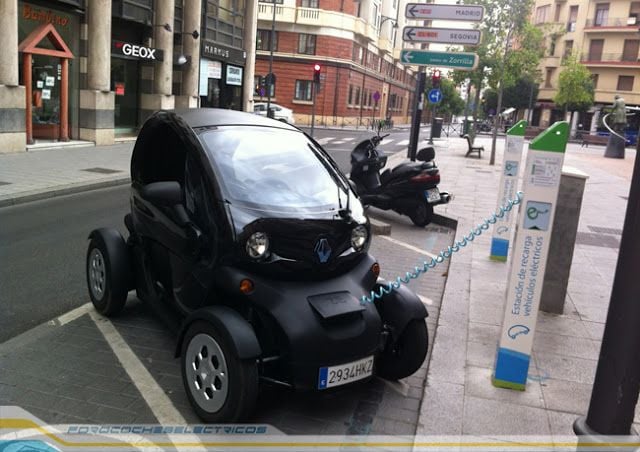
<point x="313" y="106"/>
<point x="615" y="389"/>
<point x="494" y="136"/>
<point x="530" y="115"/>
<point x="417" y="115"/>
<point x="466" y="109"/>
<point x="433" y="122"/>
<point x="270" y="75"/>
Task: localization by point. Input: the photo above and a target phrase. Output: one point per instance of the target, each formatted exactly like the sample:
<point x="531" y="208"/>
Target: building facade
<point x="604" y="35"/>
<point x="94" y="70"/>
<point x="356" y="43"/>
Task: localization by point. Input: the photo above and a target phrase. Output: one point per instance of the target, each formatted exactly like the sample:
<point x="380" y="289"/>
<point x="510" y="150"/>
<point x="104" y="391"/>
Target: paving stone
<point x="567" y="368"/>
<point x="568" y="396"/>
<point x="490" y="417"/>
<point x="478" y="384"/>
<point x="481" y="354"/>
<point x="442" y="409"/>
<point x="566" y="345"/>
<point x="484" y="333"/>
<point x="562" y="423"/>
<point x="448" y="358"/>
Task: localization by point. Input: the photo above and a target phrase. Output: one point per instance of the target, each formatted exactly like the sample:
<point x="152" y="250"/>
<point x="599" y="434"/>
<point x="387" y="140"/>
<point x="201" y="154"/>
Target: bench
<point x="588" y="139"/>
<point x="471" y="148"/>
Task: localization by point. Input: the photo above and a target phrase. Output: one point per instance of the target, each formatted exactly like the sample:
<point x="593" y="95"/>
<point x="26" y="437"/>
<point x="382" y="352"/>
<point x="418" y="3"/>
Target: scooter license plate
<point x="342" y="374"/>
<point x="433" y="195"/>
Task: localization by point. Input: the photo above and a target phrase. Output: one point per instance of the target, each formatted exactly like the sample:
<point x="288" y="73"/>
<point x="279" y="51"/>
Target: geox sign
<point x="136" y="52"/>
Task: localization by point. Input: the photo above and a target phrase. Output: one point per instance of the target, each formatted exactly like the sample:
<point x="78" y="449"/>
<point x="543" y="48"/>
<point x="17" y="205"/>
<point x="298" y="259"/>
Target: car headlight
<point x="359" y="236"/>
<point x="257" y="245"/>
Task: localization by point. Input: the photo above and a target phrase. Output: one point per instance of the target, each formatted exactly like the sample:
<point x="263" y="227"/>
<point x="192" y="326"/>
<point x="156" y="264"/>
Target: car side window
<point x="197" y="197"/>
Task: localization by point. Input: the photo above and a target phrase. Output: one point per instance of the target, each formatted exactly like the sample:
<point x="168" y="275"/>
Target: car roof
<point x="207" y="117"/>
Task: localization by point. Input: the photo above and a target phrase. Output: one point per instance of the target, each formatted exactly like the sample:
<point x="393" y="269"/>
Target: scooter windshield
<point x="271" y="169"/>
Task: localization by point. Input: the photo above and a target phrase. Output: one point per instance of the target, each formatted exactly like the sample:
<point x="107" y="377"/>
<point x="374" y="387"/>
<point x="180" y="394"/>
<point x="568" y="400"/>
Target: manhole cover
<point x="602" y="230"/>
<point x="592" y="239"/>
<point x="101" y="170"/>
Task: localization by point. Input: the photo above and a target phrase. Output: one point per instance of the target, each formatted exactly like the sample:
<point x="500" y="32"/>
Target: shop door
<point x="124" y="79"/>
<point x="46" y="74"/>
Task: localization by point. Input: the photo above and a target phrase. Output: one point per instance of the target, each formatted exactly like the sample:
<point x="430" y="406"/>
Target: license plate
<point x="345" y="373"/>
<point x="433" y="195"/>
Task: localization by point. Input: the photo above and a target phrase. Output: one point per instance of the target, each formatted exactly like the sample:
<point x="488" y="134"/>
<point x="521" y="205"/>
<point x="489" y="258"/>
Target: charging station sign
<point x="528" y="260"/>
<point x="508" y="188"/>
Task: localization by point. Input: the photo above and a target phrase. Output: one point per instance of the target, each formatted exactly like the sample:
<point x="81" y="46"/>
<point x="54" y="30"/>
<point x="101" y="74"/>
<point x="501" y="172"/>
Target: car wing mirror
<point x="166" y="194"/>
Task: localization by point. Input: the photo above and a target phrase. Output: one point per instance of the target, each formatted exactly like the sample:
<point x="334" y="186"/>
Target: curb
<point x="61" y="190"/>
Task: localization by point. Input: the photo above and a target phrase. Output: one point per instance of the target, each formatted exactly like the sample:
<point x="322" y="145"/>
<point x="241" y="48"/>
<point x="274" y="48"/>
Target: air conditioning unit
<point x="632" y="20"/>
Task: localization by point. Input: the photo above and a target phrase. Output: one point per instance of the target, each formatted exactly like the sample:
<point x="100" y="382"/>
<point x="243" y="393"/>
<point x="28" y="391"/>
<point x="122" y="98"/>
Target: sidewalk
<point x="459" y="397"/>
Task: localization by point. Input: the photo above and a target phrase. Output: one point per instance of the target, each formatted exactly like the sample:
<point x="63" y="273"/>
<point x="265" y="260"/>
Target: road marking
<point x="324" y="140"/>
<point x="403" y="143"/>
<point x="348" y="139"/>
<point x="386" y="141"/>
<point x="407" y="246"/>
<point x="72" y="315"/>
<point x="159" y="404"/>
<point x="338" y="142"/>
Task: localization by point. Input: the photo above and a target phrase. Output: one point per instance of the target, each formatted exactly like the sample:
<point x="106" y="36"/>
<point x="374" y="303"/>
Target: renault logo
<point x="322" y="250"/>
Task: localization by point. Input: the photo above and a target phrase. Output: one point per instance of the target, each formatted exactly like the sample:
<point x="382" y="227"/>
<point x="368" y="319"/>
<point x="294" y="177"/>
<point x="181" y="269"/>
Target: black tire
<point x="422" y="213"/>
<point x="241" y="383"/>
<point x="110" y="295"/>
<point x="407" y="354"/>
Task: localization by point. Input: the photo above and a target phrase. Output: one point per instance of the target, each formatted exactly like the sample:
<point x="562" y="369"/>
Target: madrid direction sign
<point x="471" y="13"/>
<point x="456" y="60"/>
<point x="442" y="35"/>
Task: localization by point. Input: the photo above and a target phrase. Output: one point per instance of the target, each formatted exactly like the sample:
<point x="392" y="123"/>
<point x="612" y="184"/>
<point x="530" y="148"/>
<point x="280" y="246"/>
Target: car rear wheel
<point x="108" y="285"/>
<point x="220" y="386"/>
<point x="407" y="354"/>
<point x="422" y="214"/>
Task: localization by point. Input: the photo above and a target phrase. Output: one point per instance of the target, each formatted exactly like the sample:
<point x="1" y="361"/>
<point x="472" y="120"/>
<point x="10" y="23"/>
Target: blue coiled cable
<point x="444" y="254"/>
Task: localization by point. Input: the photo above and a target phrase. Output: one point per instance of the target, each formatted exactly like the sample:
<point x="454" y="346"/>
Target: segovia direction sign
<point x="442" y="35"/>
<point x="456" y="60"/>
<point x="471" y="13"/>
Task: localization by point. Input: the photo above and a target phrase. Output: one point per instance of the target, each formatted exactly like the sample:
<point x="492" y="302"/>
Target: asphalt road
<point x="43" y="243"/>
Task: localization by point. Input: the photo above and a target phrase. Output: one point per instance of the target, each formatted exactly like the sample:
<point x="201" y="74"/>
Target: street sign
<point x="470" y="13"/>
<point x="376" y="96"/>
<point x="442" y="35"/>
<point x="435" y="96"/>
<point x="456" y="60"/>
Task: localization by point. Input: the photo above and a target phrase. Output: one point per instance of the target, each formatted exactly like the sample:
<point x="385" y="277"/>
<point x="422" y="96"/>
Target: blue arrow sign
<point x="435" y="96"/>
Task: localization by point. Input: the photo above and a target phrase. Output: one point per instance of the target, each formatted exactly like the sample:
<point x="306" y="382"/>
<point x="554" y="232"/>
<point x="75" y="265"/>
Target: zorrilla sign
<point x="135" y="51"/>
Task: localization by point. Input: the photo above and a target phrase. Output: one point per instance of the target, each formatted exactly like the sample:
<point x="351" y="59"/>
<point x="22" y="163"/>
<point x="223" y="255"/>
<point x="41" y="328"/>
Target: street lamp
<point x="386" y="18"/>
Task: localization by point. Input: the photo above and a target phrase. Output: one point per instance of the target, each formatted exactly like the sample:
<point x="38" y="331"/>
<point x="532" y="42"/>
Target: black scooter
<point x="411" y="188"/>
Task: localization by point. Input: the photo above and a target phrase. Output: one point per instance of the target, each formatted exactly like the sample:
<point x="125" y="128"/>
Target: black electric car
<point x="251" y="244"/>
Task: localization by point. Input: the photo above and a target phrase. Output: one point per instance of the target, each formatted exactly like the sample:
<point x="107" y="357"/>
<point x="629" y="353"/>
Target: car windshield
<point x="271" y="169"/>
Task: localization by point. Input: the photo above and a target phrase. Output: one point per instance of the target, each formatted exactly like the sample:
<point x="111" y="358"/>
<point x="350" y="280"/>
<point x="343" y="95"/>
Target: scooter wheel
<point x="407" y="354"/>
<point x="220" y="386"/>
<point x="422" y="213"/>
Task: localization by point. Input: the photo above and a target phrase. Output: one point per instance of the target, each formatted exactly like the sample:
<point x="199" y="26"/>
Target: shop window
<point x="307" y="44"/>
<point x="309" y="3"/>
<point x="263" y="41"/>
<point x="625" y="83"/>
<point x="303" y="90"/>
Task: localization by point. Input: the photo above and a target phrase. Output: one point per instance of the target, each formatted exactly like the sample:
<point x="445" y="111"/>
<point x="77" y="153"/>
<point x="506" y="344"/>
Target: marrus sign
<point x="135" y="51"/>
<point x="470" y="13"/>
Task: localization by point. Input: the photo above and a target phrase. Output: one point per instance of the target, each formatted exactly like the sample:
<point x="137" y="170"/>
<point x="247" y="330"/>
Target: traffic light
<point x="435" y="79"/>
<point x="316" y="73"/>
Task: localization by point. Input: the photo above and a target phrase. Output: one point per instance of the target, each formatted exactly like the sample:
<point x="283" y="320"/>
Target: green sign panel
<point x="454" y="60"/>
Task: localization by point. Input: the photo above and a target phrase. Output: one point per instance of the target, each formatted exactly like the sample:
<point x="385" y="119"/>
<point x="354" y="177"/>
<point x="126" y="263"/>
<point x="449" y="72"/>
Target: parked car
<point x="279" y="112"/>
<point x="248" y="241"/>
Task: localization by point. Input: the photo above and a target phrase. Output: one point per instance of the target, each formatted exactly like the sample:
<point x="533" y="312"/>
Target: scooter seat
<point x="385" y="176"/>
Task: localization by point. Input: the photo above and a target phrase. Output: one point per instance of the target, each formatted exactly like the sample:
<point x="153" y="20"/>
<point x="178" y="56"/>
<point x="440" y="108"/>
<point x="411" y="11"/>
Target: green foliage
<point x="575" y="87"/>
<point x="452" y="103"/>
<point x="516" y="96"/>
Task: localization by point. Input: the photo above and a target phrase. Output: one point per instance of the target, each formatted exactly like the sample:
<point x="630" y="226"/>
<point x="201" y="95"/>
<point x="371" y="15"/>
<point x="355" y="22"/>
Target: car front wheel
<point x="220" y="386"/>
<point x="107" y="282"/>
<point x="407" y="354"/>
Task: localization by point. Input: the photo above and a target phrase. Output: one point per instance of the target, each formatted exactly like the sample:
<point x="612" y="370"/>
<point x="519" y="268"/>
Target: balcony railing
<point x="613" y="22"/>
<point x="618" y="58"/>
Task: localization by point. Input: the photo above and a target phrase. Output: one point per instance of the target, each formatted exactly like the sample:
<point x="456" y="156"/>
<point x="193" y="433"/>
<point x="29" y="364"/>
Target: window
<point x="625" y="83"/>
<point x="552" y="45"/>
<point x="309" y="3"/>
<point x="350" y="98"/>
<point x="263" y="41"/>
<point x="630" y="50"/>
<point x="573" y="18"/>
<point x="548" y="77"/>
<point x="634" y="14"/>
<point x="602" y="14"/>
<point x="303" y="90"/>
<point x="307" y="44"/>
<point x="595" y="49"/>
<point x="594" y="80"/>
<point x="356" y="101"/>
<point x="261" y="87"/>
<point x="541" y="14"/>
<point x="556" y="17"/>
<point x="568" y="48"/>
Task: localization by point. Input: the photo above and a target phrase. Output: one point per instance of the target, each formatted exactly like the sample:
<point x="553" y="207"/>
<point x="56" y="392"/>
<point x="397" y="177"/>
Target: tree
<point x="516" y="96"/>
<point x="575" y="87"/>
